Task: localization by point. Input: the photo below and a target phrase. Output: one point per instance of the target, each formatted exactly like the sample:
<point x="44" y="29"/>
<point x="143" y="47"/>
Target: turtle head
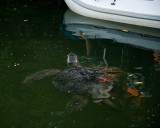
<point x="72" y="59"/>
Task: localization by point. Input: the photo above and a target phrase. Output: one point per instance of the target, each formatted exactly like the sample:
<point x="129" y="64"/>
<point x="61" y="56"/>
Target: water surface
<point x="33" y="42"/>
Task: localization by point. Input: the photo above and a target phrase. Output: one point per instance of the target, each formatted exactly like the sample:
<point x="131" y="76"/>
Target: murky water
<point x="33" y="42"/>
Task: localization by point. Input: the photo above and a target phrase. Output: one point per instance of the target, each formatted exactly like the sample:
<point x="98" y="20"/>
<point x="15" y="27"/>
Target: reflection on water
<point x="31" y="46"/>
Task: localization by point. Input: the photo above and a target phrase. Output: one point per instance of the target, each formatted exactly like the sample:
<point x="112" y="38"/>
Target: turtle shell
<point x="74" y="80"/>
<point x="82" y="81"/>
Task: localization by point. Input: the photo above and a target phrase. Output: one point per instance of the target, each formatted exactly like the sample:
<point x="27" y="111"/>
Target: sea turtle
<point x="79" y="80"/>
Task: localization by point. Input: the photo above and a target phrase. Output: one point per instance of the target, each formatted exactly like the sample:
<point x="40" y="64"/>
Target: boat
<point x="136" y="12"/>
<point x="137" y="36"/>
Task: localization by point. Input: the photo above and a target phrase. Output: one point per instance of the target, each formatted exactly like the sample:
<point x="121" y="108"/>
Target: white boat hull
<point x="147" y="14"/>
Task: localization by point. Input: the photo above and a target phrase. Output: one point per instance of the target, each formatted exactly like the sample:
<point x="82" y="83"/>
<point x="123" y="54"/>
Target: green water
<point x="30" y="42"/>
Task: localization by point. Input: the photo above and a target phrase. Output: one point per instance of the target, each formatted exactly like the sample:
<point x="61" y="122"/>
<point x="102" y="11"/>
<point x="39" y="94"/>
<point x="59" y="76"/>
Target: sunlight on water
<point x="31" y="45"/>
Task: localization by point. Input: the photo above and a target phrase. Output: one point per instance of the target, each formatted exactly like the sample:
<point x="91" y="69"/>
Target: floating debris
<point x="137" y="83"/>
<point x="16" y="64"/>
<point x="124" y="30"/>
<point x="139" y="68"/>
<point x="133" y="92"/>
<point x="145" y="94"/>
<point x="25" y="20"/>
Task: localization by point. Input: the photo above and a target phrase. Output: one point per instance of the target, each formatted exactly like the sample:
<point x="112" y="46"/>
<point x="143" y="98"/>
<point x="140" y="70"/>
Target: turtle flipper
<point x="40" y="75"/>
<point x="76" y="103"/>
<point x="110" y="104"/>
